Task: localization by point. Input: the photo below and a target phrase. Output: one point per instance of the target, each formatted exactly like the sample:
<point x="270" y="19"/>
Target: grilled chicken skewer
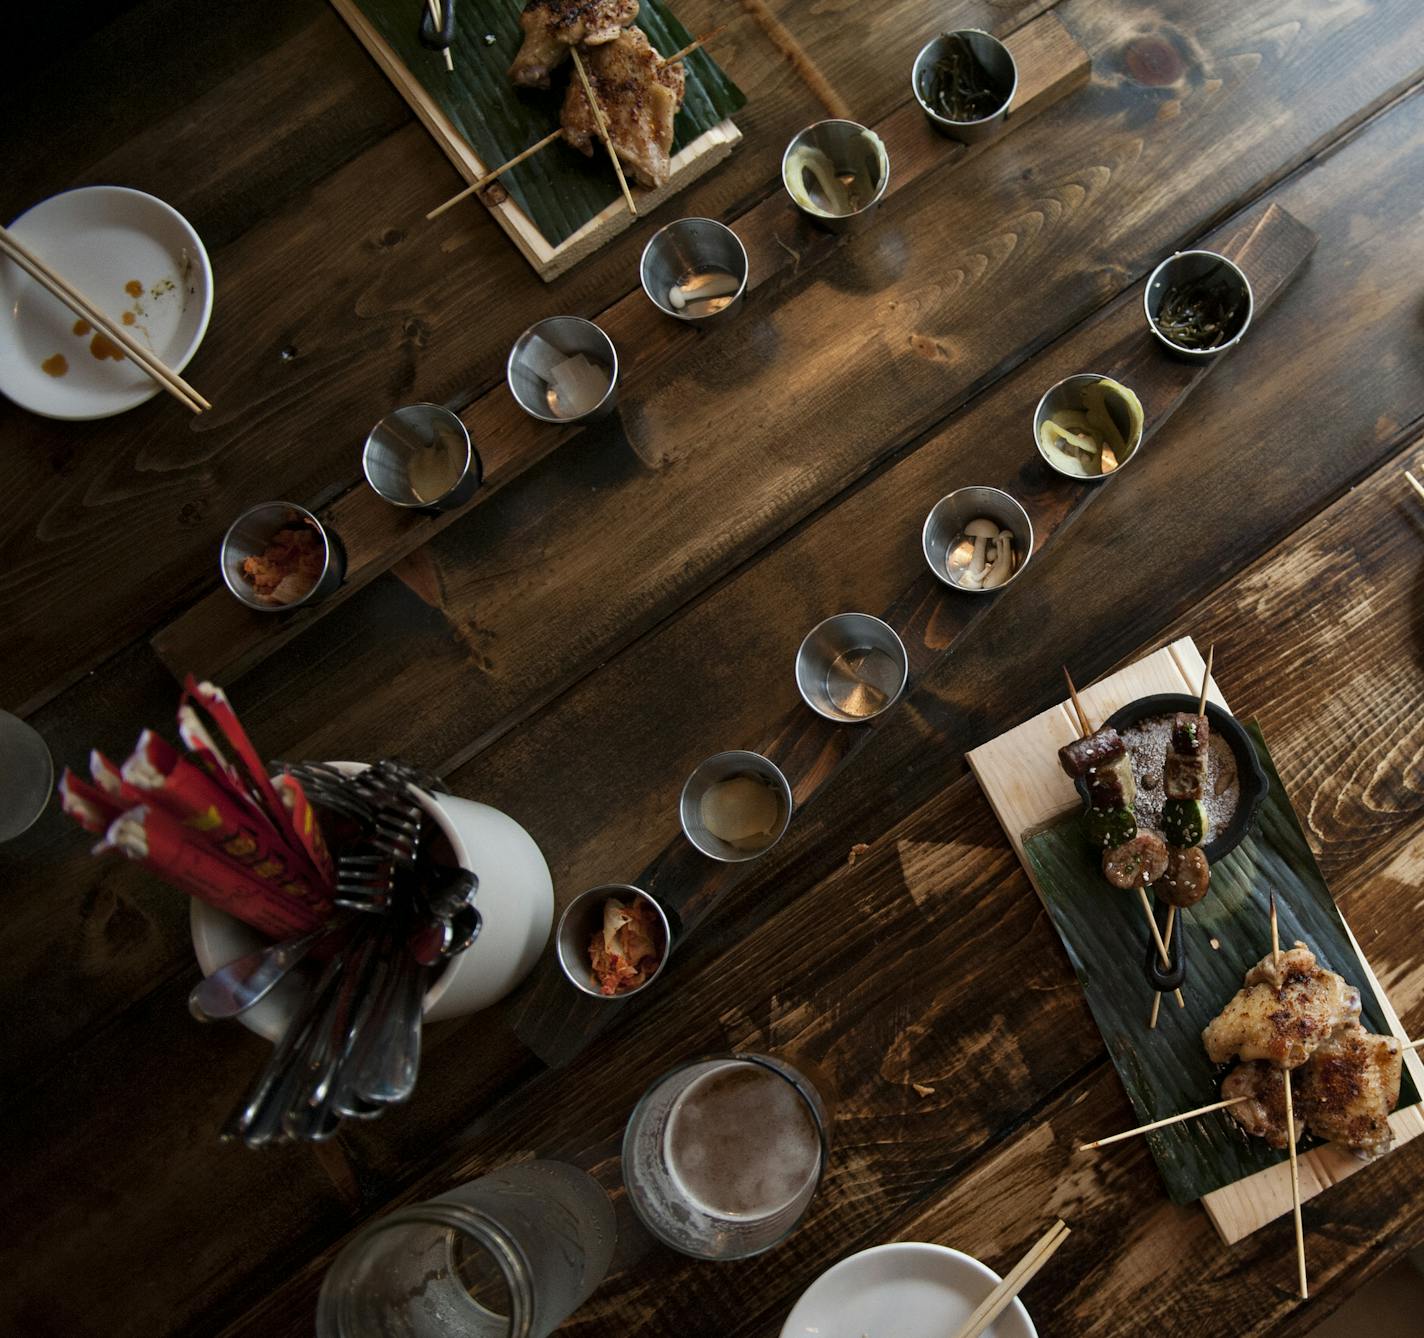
<point x="552" y="28"/>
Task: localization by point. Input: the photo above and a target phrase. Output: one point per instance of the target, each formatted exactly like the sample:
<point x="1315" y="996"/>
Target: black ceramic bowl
<point x="1254" y="785"/>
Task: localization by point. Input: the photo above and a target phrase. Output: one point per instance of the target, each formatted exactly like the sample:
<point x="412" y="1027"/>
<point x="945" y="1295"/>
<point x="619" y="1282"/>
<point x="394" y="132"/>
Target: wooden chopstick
<point x="603" y="129"/>
<point x="1414" y="483"/>
<point x="490" y="176"/>
<point x="997" y="1301"/>
<point x="1162" y="1123"/>
<point x="59" y="287"/>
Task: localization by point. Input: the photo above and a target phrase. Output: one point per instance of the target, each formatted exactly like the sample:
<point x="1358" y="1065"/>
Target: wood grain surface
<point x="632" y="602"/>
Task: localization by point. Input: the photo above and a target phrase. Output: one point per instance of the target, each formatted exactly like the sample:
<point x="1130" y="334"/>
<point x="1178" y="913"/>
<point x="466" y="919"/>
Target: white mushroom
<point x="1003" y="566"/>
<point x="981" y="531"/>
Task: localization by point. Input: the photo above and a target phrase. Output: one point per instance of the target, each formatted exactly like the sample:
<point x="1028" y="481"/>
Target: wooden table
<point x="570" y="649"/>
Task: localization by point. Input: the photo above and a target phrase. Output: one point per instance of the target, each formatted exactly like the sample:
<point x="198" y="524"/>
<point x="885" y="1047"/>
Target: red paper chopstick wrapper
<point x="161" y="842"/>
<point x="232" y="822"/>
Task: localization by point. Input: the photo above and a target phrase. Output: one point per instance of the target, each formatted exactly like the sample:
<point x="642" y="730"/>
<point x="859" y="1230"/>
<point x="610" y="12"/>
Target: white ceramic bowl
<point x="101" y="238"/>
<point x="515" y="899"/>
<point x="904" y="1290"/>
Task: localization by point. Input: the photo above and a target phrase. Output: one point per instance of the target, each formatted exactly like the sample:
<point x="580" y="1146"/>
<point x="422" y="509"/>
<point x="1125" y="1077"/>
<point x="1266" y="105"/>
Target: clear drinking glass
<point x="26" y="776"/>
<point x="510" y="1255"/>
<point x="723" y="1155"/>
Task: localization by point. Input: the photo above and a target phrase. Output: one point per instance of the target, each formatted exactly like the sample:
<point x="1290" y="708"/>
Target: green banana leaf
<point x="558" y="187"/>
<point x="1167" y="1071"/>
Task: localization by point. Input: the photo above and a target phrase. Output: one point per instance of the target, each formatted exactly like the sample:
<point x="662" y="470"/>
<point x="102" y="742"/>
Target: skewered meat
<point x="1282" y="1018"/>
<point x="638" y="95"/>
<point x="1347" y="1090"/>
<point x="1137" y="862"/>
<point x="1093" y="750"/>
<point x="1264" y="1115"/>
<point x="1184" y="819"/>
<point x="1187" y="878"/>
<point x="552" y="27"/>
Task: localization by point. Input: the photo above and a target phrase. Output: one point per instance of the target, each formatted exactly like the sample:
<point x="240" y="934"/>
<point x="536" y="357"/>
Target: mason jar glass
<point x="510" y="1255"/>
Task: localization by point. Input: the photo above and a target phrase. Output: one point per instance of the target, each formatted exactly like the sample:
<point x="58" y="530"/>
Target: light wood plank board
<point x="1026" y="788"/>
<point x="548" y="260"/>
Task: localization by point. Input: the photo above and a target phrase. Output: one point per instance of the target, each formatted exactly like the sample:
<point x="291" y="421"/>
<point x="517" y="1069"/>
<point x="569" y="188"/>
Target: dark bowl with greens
<point x="1198" y="303"/>
<point x="964" y="82"/>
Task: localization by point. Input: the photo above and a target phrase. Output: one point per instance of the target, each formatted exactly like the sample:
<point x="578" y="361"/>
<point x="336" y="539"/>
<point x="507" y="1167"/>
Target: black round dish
<point x="1254" y="785"/>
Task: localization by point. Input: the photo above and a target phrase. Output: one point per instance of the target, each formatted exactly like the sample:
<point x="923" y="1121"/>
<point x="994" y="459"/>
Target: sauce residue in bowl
<point x="82" y="327"/>
<point x="55" y="365"/>
<point x="133" y="288"/>
<point x="101" y="346"/>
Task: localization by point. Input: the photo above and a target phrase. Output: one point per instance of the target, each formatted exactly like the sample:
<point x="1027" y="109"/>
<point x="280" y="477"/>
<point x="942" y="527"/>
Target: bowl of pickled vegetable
<point x="1198" y="303"/>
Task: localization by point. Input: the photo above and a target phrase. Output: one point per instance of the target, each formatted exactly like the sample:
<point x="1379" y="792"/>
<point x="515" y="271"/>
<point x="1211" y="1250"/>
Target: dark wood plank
<point x="341" y="273"/>
<point x="220" y="639"/>
<point x="1271" y="247"/>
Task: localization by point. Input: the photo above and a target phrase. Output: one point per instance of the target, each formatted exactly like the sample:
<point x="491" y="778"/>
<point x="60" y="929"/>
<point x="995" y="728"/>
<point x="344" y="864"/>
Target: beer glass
<point x="510" y="1255"/>
<point x="722" y="1156"/>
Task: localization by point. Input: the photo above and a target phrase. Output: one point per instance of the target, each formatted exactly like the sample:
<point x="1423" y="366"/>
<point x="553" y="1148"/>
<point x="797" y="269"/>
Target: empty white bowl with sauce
<point x="135" y="258"/>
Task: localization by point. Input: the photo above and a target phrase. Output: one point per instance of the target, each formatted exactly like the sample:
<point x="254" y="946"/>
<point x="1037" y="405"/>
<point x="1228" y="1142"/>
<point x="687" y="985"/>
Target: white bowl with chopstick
<point x="106" y="241"/>
<point x="909" y="1289"/>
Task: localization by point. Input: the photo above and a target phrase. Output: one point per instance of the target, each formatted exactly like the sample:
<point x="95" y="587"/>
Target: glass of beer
<point x="722" y="1155"/>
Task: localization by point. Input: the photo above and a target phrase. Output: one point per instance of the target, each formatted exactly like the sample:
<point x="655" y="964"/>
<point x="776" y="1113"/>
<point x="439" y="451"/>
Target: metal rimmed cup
<point x="851" y="668"/>
<point x="948" y="547"/>
<point x="420" y="456"/>
<point x="994" y="59"/>
<point x="26" y="778"/>
<point x="249" y="537"/>
<point x="1067" y="394"/>
<point x="1187" y="267"/>
<point x="583" y="918"/>
<point x="687" y="257"/>
<point x="828" y="152"/>
<point x="529" y="378"/>
<point x="730" y="766"/>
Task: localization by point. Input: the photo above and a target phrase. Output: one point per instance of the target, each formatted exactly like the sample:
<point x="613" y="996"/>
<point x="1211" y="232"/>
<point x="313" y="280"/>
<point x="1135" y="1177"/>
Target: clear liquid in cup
<point x="741" y="1144"/>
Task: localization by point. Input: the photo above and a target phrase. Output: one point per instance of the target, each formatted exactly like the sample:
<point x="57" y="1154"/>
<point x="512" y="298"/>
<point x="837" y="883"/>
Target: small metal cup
<point x="689" y="247"/>
<point x="420" y="457"/>
<point x="851" y="668"/>
<point x="720" y="767"/>
<point x="582" y="918"/>
<point x="26" y="776"/>
<point x="945" y="525"/>
<point x="570" y="335"/>
<point x="1183" y="268"/>
<point x="846" y="144"/>
<point x="1068" y="394"/>
<point x="249" y="535"/>
<point x="998" y="64"/>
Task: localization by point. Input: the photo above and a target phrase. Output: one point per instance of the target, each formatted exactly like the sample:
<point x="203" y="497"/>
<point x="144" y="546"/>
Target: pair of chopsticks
<point x="59" y="287"/>
<point x="1022" y="1273"/>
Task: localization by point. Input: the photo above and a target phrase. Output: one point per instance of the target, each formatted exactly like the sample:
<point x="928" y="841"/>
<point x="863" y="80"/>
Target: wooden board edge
<point x="1239" y="1209"/>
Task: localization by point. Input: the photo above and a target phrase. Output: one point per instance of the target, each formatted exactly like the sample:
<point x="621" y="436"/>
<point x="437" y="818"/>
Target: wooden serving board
<point x="549" y="259"/>
<point x="1026" y="788"/>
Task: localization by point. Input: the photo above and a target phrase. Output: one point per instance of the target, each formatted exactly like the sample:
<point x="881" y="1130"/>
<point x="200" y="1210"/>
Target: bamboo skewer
<point x="1414" y="483"/>
<point x="692" y="46"/>
<point x="1172" y="910"/>
<point x="436" y="19"/>
<point x="60" y="288"/>
<point x="497" y="172"/>
<point x="1167" y="941"/>
<point x="1014" y="1281"/>
<point x="1301" y="1283"/>
<point x="1087" y="729"/>
<point x="1162" y="1123"/>
<point x="603" y="129"/>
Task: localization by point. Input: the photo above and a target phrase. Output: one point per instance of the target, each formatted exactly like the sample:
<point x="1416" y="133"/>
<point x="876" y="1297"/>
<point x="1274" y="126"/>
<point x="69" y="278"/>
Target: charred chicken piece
<point x="638" y="95"/>
<point x="1349" y="1086"/>
<point x="553" y="27"/>
<point x="1264" y="1114"/>
<point x="1282" y="1017"/>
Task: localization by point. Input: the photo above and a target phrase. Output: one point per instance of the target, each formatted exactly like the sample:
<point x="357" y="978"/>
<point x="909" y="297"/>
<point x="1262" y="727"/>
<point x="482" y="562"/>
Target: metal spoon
<point x="236" y="987"/>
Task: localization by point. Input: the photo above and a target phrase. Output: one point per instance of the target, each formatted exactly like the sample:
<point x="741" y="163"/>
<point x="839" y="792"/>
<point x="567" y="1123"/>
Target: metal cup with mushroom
<point x="982" y="557"/>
